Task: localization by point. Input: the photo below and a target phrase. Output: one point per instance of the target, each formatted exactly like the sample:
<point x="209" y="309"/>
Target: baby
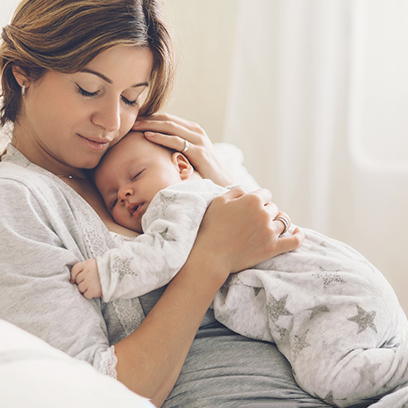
<point x="329" y="311"/>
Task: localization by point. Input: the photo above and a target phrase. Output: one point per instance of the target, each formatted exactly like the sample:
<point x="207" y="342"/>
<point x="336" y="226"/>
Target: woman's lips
<point x="94" y="144"/>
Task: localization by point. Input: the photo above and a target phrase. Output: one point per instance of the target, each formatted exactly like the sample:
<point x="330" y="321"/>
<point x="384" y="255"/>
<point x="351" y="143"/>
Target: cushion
<point x="34" y="374"/>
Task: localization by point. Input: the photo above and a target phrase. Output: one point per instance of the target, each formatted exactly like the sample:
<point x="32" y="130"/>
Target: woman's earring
<point x="23" y="89"/>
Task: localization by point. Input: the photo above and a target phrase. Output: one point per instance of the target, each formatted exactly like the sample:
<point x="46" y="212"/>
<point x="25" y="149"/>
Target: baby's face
<point x="131" y="174"/>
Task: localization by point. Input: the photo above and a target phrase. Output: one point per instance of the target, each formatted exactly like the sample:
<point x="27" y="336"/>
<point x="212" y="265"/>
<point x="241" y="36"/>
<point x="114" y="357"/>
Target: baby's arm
<point x="150" y="261"/>
<point x="85" y="275"/>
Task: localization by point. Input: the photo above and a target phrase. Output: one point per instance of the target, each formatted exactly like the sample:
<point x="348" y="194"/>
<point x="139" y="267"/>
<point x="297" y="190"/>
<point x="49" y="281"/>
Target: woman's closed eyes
<point x="88" y="94"/>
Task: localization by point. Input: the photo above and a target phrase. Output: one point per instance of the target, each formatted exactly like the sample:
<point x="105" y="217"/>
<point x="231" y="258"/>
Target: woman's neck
<point x="23" y="140"/>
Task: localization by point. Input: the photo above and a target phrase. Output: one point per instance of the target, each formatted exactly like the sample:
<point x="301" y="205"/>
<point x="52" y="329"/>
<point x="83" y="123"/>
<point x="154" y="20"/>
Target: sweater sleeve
<point x="152" y="259"/>
<point x="38" y="249"/>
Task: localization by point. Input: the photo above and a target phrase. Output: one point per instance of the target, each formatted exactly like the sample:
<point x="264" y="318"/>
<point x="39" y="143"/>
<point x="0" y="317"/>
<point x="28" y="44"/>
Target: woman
<point x="75" y="76"/>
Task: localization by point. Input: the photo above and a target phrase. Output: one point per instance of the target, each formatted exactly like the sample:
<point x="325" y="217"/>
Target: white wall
<point x="6" y="10"/>
<point x="204" y="32"/>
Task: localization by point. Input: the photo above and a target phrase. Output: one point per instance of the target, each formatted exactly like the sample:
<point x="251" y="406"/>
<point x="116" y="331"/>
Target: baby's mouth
<point x="133" y="208"/>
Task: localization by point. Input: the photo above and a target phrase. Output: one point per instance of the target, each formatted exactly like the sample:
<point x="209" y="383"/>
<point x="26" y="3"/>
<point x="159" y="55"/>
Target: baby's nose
<point x="124" y="193"/>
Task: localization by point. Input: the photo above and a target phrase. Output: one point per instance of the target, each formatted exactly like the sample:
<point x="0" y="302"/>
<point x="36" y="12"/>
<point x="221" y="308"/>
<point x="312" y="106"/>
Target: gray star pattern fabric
<point x="330" y="312"/>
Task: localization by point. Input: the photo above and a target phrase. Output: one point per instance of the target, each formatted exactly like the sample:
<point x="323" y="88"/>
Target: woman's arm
<point x="37" y="247"/>
<point x="172" y="131"/>
<point x="236" y="232"/>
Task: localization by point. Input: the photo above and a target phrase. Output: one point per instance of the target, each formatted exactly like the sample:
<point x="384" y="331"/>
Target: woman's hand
<point x="240" y="230"/>
<point x="172" y="132"/>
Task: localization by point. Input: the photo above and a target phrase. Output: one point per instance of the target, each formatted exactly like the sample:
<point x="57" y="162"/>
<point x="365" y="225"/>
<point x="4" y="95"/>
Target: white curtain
<point x="319" y="105"/>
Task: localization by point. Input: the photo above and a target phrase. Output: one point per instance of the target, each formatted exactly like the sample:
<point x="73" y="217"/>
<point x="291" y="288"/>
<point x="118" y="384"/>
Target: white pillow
<point x="233" y="158"/>
<point x="35" y="375"/>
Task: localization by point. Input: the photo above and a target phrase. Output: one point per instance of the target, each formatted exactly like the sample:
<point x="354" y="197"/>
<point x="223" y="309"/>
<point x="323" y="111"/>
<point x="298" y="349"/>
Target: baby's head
<point x="132" y="172"/>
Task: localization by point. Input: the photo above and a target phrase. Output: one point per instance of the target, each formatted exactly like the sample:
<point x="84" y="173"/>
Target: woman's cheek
<point x="128" y="121"/>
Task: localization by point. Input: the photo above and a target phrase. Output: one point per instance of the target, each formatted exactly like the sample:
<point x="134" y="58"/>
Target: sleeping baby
<point x="330" y="312"/>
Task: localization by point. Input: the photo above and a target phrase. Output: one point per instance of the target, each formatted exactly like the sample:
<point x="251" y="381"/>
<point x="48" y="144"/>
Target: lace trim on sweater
<point x="108" y="363"/>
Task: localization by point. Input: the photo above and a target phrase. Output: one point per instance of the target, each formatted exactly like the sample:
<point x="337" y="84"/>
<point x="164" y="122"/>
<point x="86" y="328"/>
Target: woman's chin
<point x="91" y="163"/>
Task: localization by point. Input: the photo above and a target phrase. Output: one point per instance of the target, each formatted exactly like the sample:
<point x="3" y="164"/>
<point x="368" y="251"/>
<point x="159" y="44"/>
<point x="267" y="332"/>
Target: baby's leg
<point x="345" y="345"/>
<point x="337" y="320"/>
<point x="240" y="306"/>
<point x="330" y="312"/>
<point x="339" y="357"/>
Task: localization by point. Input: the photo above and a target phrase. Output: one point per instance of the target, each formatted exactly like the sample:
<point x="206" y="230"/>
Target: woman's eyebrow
<point x="109" y="81"/>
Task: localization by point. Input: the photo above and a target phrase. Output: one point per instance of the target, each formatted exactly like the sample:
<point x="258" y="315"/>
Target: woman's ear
<point x="182" y="165"/>
<point x="20" y="76"/>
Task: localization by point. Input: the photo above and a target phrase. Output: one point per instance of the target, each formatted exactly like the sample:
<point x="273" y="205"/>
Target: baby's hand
<point x="85" y="275"/>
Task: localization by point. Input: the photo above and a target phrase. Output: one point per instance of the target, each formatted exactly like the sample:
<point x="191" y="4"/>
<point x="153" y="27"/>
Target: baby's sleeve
<point x="152" y="259"/>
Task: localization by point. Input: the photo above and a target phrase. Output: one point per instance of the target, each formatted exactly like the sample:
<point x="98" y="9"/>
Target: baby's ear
<point x="183" y="166"/>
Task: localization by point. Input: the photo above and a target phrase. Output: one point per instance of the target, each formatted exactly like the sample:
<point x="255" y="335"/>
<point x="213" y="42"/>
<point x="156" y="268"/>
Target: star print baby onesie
<point x="330" y="312"/>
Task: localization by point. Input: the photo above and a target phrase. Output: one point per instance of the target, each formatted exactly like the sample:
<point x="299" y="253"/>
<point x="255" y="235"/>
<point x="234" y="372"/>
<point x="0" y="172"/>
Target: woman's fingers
<point x="281" y="222"/>
<point x="171" y="141"/>
<point x="234" y="193"/>
<point x="290" y="243"/>
<point x="173" y="132"/>
<point x="164" y="119"/>
<point x="266" y="196"/>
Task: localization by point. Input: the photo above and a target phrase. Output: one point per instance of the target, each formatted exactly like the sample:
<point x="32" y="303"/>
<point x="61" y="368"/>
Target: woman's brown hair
<point x="65" y="35"/>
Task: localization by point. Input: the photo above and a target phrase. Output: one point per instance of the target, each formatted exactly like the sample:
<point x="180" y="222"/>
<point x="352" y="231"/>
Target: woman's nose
<point x="108" y="115"/>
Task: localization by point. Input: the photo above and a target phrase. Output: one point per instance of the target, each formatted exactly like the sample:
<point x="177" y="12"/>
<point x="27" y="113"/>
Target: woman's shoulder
<point x="15" y="167"/>
<point x="20" y="176"/>
<point x="10" y="171"/>
<point x="25" y="186"/>
<point x="30" y="192"/>
<point x="21" y="186"/>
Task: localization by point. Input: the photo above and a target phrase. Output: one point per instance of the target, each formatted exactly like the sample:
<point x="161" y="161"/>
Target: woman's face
<point x="69" y="121"/>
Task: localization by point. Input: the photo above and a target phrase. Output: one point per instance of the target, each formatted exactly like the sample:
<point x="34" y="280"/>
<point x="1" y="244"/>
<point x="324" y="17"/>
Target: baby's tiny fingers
<point x="88" y="295"/>
<point x="82" y="286"/>
<point x="76" y="269"/>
